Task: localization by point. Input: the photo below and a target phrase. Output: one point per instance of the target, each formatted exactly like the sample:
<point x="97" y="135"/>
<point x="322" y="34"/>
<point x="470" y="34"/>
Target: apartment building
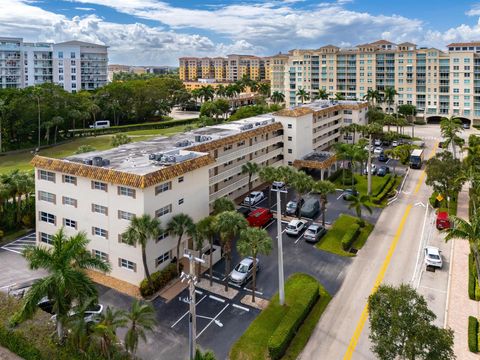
<point x="229" y="69"/>
<point x="99" y="192"/>
<point x="74" y="65"/>
<point x="438" y="83"/>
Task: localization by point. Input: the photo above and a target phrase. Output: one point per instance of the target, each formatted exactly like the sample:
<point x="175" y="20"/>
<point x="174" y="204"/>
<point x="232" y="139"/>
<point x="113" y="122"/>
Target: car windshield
<point x="312" y="230"/>
<point x="242" y="268"/>
<point x="291" y="205"/>
<point x="434" y="256"/>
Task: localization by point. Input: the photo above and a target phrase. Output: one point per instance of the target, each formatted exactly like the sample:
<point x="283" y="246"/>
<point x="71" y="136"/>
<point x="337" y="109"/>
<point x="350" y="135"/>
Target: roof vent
<point x="155" y="157"/>
<point x="97" y="161"/>
<point x="182" y="143"/>
<point x="246" y="127"/>
<point x="88" y="162"/>
<point x="202" y="138"/>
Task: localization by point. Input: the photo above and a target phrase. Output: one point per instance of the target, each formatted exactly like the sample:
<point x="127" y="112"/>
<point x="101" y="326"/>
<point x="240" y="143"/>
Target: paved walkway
<point x="460" y="307"/>
<point x="8" y="355"/>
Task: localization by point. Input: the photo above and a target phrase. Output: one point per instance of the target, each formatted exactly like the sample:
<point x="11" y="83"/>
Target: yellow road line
<point x="423" y="174"/>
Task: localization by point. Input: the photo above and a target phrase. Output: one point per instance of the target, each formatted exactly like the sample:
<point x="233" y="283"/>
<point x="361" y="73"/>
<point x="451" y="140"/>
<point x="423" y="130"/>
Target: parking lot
<point x="19" y="245"/>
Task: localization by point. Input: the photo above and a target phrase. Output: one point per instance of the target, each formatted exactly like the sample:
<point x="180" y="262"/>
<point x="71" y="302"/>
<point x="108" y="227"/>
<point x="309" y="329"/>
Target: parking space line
<point x="15" y="251"/>
<point x="216" y="298"/>
<point x="271" y="222"/>
<point x="240" y="307"/>
<point x="199" y="292"/>
<point x="213" y="277"/>
<point x="187" y="312"/>
<point x="256" y="292"/>
<point x="211" y="321"/>
<point x="296" y="241"/>
<point x="338" y="198"/>
<point x="234" y="285"/>
<point x="433" y="289"/>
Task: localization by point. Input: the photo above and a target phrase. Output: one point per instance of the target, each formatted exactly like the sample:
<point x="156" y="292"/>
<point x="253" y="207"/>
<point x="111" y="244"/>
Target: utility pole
<point x="369" y="165"/>
<point x="281" y="277"/>
<point x="192" y="323"/>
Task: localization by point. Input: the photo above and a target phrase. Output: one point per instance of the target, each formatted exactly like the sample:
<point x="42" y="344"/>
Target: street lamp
<point x="280" y="188"/>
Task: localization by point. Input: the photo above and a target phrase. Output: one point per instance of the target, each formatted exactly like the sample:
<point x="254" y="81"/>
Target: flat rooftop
<point x="144" y="157"/>
<point x="318" y="105"/>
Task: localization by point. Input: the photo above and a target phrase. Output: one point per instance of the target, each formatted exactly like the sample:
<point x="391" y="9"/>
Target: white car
<point x="92" y="314"/>
<point x="367" y="147"/>
<point x="378" y="150"/>
<point x="395" y="143"/>
<point x="295" y="227"/>
<point x="377" y="142"/>
<point x="254" y="198"/>
<point x="433" y="257"/>
<point x="373" y="167"/>
<point x="278" y="185"/>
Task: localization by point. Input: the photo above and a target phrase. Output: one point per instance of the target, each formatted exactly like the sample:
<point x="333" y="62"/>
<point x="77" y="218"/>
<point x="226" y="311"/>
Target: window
<point x="48" y="218"/>
<point x="72" y="55"/>
<point x="126" y="264"/>
<point x="46" y="238"/>
<point x="289" y="126"/>
<point x="46" y="175"/>
<point x="162" y="258"/>
<point x="289" y="138"/>
<point x="100" y="255"/>
<point x="69" y="201"/>
<point x="163" y="187"/>
<point x="60" y="54"/>
<point x="46" y="196"/>
<point x="163" y="235"/>
<point x="180" y="179"/>
<point x="69" y="179"/>
<point x="70" y="223"/>
<point x="124" y="215"/>
<point x="99" y="232"/>
<point x="125" y="191"/>
<point x="72" y="62"/>
<point x="163" y="211"/>
<point x="97" y="185"/>
<point x="289" y="151"/>
<point x="99" y="209"/>
<point x="180" y="202"/>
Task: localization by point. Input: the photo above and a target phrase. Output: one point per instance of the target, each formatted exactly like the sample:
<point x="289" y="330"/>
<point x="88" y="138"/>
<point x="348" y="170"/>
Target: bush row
<point x="386" y="182"/>
<point x="473" y="285"/>
<point x="132" y="127"/>
<point x="473" y="334"/>
<point x="286" y="330"/>
<point x="350" y="236"/>
<point x="159" y="279"/>
<point x="17" y="344"/>
<point x="386" y="190"/>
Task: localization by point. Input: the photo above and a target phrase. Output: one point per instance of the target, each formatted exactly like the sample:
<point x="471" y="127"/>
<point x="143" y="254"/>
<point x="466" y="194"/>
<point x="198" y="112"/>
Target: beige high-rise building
<point x="438" y="83"/>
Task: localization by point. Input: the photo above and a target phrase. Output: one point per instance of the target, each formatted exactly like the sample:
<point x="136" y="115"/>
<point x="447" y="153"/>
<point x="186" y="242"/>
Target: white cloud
<point x="474" y="10"/>
<point x="84" y="8"/>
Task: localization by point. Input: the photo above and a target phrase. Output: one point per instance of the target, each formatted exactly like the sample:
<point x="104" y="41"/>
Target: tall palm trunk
<point x="178" y="253"/>
<point x="476" y="256"/>
<point x="228" y="259"/>
<point x="60" y="330"/>
<point x="19" y="207"/>
<point x="369" y="166"/>
<point x="254" y="277"/>
<point x="250" y="189"/>
<point x="145" y="267"/>
<point x="211" y="261"/>
<point x="324" y="207"/>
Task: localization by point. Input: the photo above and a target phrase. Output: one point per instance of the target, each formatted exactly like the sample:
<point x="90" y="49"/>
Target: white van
<point x="100" y="124"/>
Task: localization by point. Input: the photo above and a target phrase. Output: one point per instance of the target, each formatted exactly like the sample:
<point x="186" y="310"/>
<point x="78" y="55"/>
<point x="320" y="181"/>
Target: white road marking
<point x="338" y="198"/>
<point x="199" y="292"/>
<point x="240" y="307"/>
<point x="433" y="289"/>
<point x="256" y="292"/>
<point x="234" y="285"/>
<point x="420" y="204"/>
<point x="387" y="161"/>
<point x="186" y="313"/>
<point x="216" y="298"/>
<point x="8" y="286"/>
<point x="269" y="224"/>
<point x="296" y="241"/>
<point x="211" y="321"/>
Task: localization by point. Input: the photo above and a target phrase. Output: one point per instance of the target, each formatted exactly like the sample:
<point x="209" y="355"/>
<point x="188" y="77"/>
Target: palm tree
<point x="252" y="242"/>
<point x="339" y="96"/>
<point x="20" y="184"/>
<point x="303" y="184"/>
<point x="250" y="168"/>
<point x="206" y="228"/>
<point x="207" y="92"/>
<point x="56" y="122"/>
<point x="104" y="333"/>
<point x="178" y="225"/>
<point x="221" y="91"/>
<point x="229" y="224"/>
<point x="140" y="231"/>
<point x="302" y="95"/>
<point x="372" y="96"/>
<point x="79" y="329"/>
<point x="66" y="282"/>
<point x="141" y="318"/>
<point x="223" y="204"/>
<point x="450" y="127"/>
<point x="37" y="94"/>
<point x="323" y="188"/>
<point x="94" y="110"/>
<point x="322" y="94"/>
<point x="277" y="97"/>
<point x="388" y="120"/>
<point x="389" y="96"/>
<point x="3" y="109"/>
<point x="470" y="231"/>
<point x="269" y="174"/>
<point x="232" y="90"/>
<point x="198" y="239"/>
<point x="358" y="203"/>
<point x="395" y="154"/>
<point x="264" y="89"/>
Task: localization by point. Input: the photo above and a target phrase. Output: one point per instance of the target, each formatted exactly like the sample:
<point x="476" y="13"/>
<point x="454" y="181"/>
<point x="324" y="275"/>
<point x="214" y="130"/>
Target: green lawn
<point x="22" y="159"/>
<point x="362" y="184"/>
<point x="332" y="241"/>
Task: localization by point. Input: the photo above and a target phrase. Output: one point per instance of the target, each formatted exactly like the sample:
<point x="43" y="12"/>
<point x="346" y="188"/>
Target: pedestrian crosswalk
<point x="20" y="244"/>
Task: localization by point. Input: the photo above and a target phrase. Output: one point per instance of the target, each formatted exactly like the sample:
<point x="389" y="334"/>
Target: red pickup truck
<point x="443" y="222"/>
<point x="259" y="217"/>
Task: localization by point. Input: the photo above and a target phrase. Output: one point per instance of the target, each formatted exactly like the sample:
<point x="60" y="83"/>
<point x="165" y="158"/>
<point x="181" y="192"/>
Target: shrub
<point x="420" y="122"/>
<point x="120" y="139"/>
<point x="473" y="334"/>
<point x="350" y="236"/>
<point x="159" y="279"/>
<point x="386" y="190"/>
<point x="19" y="345"/>
<point x="84" y="149"/>
<point x="386" y="182"/>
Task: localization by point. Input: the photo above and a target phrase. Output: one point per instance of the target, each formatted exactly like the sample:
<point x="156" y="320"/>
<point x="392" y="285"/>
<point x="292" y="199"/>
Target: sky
<point x="155" y="32"/>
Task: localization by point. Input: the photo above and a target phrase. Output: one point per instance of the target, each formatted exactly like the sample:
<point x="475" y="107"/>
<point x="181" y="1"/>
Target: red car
<point x="443" y="222"/>
<point x="259" y="217"/>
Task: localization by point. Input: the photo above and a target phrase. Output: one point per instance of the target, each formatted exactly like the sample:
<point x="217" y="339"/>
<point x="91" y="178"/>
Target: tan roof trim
<point x="301" y="111"/>
<point x="121" y="177"/>
<point x="311" y="164"/>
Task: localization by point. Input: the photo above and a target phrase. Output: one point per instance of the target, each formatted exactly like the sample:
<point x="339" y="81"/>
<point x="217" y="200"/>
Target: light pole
<point x="281" y="277"/>
<point x="192" y="323"/>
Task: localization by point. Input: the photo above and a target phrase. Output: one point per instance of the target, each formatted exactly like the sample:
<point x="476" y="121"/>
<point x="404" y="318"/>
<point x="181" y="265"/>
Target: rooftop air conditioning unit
<point x="97" y="161"/>
<point x="88" y="162"/>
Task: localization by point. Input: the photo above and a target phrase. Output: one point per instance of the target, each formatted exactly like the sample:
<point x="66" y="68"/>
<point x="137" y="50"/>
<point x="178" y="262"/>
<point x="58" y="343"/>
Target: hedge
<point x="350" y="236"/>
<point x="286" y="330"/>
<point x="132" y="127"/>
<point x="159" y="279"/>
<point x="473" y="334"/>
<point x="387" y="178"/>
<point x="386" y="190"/>
<point x="473" y="285"/>
<point x="17" y="344"/>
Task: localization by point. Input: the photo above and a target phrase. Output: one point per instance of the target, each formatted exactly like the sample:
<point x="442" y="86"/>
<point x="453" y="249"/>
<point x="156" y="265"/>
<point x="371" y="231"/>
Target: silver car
<point x="243" y="271"/>
<point x="314" y="233"/>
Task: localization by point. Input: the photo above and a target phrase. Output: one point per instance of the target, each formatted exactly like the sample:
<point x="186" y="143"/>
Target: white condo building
<point x="74" y="65"/>
<point x="99" y="192"/>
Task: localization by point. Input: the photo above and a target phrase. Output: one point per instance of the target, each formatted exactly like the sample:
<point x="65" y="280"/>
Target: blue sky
<point x="155" y="32"/>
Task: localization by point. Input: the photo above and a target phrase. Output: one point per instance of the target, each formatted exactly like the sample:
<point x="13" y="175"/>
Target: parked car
<point x="293" y="207"/>
<point x="259" y="217"/>
<point x="46" y="305"/>
<point x="395" y="143"/>
<point x="314" y="233"/>
<point x="371" y="147"/>
<point x="385" y="143"/>
<point x="348" y="193"/>
<point x="383" y="170"/>
<point x="443" y="222"/>
<point x="378" y="150"/>
<point x="382" y="157"/>
<point x="278" y="185"/>
<point x="244" y="211"/>
<point x="373" y="168"/>
<point x="243" y="271"/>
<point x="310" y="208"/>
<point x="91" y="314"/>
<point x="377" y="142"/>
<point x="295" y="227"/>
<point x="254" y="198"/>
<point x="466" y="126"/>
<point x="433" y="257"/>
<point x="100" y="124"/>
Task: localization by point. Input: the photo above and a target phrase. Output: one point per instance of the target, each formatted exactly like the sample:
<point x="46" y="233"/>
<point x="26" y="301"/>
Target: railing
<point x="248" y="150"/>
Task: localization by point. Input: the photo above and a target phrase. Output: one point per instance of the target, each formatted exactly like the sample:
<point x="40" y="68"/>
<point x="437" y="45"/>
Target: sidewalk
<point x="460" y="307"/>
<point x="8" y="355"/>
